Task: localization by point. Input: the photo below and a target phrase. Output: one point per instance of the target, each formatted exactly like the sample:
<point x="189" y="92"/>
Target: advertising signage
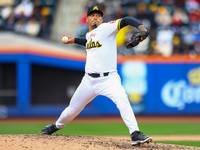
<point x="173" y="89"/>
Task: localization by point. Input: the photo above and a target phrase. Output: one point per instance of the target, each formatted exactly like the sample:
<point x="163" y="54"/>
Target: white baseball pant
<point x="109" y="86"/>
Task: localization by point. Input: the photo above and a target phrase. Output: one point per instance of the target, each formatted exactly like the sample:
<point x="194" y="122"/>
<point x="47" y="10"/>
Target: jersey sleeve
<point x="112" y="27"/>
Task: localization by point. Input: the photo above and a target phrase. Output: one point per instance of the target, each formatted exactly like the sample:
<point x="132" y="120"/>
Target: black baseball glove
<point x="136" y="38"/>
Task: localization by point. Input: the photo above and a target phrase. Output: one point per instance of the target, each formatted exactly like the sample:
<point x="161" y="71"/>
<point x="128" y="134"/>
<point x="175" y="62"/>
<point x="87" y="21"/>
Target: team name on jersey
<point x="92" y="44"/>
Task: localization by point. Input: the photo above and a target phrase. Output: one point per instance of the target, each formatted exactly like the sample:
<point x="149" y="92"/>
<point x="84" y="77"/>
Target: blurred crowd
<point x="174" y="25"/>
<point x="28" y="17"/>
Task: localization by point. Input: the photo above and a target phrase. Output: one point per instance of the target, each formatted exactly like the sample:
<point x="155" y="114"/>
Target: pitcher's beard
<point x="94" y="26"/>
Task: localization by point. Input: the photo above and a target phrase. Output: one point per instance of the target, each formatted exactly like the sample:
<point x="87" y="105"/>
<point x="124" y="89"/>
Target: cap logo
<point x="95" y="8"/>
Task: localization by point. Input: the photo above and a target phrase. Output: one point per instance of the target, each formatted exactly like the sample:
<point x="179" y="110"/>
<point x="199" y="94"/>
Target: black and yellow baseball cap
<point x="96" y="9"/>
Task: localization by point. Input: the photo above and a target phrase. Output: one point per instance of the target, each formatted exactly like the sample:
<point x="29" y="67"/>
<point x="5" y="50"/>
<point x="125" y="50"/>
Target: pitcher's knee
<point x="122" y="102"/>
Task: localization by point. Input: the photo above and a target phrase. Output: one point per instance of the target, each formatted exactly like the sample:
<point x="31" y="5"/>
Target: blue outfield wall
<point x="173" y="89"/>
<point x="152" y="88"/>
<point x="163" y="89"/>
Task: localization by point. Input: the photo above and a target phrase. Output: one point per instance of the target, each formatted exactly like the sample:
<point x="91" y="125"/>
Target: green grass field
<point x="110" y="129"/>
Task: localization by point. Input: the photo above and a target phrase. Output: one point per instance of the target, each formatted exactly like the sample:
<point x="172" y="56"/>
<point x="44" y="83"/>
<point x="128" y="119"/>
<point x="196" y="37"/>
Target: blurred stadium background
<point x="39" y="74"/>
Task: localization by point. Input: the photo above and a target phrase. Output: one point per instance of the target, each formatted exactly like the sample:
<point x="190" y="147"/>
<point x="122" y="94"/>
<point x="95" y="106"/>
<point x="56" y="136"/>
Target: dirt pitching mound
<point x="75" y="142"/>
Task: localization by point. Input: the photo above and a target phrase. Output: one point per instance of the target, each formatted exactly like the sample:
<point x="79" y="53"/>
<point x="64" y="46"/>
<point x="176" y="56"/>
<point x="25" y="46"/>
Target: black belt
<point x="96" y="75"/>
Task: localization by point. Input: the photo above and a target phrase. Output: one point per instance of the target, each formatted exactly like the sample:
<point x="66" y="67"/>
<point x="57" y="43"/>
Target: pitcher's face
<point x="94" y="20"/>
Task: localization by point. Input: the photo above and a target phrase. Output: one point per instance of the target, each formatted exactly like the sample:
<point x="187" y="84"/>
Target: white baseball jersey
<point x="101" y="48"/>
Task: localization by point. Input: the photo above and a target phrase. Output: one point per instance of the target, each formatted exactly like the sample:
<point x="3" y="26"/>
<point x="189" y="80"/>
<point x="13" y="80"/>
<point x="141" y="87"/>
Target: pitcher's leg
<point x="126" y="112"/>
<point x="83" y="95"/>
<point x="115" y="91"/>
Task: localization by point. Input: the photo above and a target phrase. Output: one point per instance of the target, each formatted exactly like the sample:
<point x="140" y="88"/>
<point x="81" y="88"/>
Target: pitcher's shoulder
<point x="107" y="24"/>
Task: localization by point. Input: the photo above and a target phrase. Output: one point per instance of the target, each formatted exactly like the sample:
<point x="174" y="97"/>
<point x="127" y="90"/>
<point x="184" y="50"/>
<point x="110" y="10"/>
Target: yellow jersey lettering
<point x="92" y="44"/>
<point x="98" y="44"/>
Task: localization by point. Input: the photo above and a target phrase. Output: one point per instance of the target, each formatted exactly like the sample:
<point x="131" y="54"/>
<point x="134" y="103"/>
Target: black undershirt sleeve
<point x="129" y="21"/>
<point x="80" y="41"/>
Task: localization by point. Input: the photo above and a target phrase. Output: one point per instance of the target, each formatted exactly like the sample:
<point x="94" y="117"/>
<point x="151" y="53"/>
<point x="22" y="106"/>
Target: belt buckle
<point x="101" y="74"/>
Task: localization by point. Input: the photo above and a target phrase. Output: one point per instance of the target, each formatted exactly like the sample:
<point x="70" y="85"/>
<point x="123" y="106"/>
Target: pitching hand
<point x="69" y="41"/>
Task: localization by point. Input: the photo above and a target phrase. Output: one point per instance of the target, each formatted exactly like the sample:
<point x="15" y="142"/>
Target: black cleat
<point x="49" y="129"/>
<point x="138" y="138"/>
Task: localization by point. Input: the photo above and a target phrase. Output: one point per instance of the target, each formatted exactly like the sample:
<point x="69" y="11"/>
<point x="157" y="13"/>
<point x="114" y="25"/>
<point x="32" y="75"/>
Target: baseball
<point x="65" y="39"/>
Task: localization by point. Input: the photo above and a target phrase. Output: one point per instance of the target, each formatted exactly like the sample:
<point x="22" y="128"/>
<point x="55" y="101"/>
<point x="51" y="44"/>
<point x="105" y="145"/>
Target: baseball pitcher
<point x="101" y="77"/>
